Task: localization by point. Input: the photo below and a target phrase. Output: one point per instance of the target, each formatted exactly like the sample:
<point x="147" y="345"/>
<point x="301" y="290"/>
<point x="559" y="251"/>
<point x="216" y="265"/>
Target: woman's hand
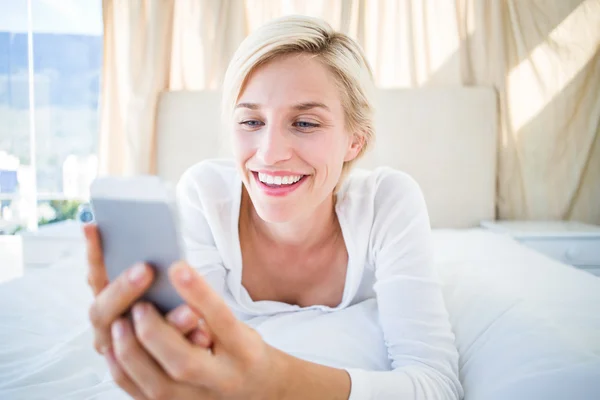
<point x="112" y="300"/>
<point x="152" y="360"/>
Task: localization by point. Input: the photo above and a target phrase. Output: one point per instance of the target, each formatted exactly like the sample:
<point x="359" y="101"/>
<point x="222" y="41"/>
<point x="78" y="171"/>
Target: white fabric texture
<point x="385" y="225"/>
<point x="526" y="327"/>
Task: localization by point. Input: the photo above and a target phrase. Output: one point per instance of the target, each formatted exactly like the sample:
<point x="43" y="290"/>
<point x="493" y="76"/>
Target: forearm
<point x="300" y="379"/>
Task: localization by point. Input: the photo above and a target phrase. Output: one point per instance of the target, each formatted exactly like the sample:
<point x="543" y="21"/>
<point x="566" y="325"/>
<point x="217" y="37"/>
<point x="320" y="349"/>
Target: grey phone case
<point x="141" y="231"/>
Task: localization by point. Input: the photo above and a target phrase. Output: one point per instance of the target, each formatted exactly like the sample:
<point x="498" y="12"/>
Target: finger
<point x="120" y="377"/>
<point x="115" y="300"/>
<point x="221" y="322"/>
<point x="139" y="366"/>
<point x="97" y="276"/>
<point x="181" y="360"/>
<point x="200" y="338"/>
<point x="186" y="321"/>
<point x="183" y="318"/>
<point x="201" y="335"/>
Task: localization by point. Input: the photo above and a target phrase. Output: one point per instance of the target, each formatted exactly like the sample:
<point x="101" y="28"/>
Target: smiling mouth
<point x="278" y="182"/>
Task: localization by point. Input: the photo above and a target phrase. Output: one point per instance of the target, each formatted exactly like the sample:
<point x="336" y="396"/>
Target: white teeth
<point x="278" y="180"/>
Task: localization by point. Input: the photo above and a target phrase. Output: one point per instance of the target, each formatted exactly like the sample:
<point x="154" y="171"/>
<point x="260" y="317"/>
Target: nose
<point x="274" y="146"/>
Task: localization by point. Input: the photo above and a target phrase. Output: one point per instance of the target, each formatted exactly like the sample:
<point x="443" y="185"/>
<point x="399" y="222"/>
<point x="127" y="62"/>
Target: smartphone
<point x="137" y="219"/>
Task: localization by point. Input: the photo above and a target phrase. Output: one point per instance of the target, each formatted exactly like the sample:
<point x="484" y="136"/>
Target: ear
<point x="357" y="143"/>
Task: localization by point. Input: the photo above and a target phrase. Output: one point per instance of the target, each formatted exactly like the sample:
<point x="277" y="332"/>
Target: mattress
<point x="526" y="326"/>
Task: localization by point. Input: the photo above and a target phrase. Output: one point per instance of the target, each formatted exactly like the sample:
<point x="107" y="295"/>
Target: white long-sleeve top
<point x="386" y="230"/>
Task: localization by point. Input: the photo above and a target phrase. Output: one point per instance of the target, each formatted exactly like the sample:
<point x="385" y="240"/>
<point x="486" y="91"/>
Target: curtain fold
<point x="542" y="57"/>
<point x="137" y="42"/>
<point x="206" y="33"/>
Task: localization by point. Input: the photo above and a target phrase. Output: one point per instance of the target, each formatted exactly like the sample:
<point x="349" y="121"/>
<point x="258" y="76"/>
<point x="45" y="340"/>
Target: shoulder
<point x="209" y="172"/>
<point x="384" y="187"/>
<point x="390" y="180"/>
<point x="387" y="211"/>
<point x="209" y="180"/>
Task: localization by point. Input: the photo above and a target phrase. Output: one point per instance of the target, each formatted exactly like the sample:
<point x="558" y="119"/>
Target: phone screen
<point x="135" y="231"/>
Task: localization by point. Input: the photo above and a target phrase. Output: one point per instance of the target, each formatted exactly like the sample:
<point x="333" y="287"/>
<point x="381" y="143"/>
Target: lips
<point x="278" y="189"/>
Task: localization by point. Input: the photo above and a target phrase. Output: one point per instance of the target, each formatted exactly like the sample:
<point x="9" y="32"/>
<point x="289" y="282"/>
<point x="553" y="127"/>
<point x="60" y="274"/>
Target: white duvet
<point x="526" y="327"/>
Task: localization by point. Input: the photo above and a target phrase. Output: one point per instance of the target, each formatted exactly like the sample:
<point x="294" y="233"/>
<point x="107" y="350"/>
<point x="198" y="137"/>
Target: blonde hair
<point x="301" y="34"/>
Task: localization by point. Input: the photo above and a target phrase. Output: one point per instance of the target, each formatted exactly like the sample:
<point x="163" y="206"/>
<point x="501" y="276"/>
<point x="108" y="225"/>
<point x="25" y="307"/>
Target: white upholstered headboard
<point x="444" y="137"/>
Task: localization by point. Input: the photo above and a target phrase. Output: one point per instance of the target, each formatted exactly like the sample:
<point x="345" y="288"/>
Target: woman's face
<point x="289" y="137"/>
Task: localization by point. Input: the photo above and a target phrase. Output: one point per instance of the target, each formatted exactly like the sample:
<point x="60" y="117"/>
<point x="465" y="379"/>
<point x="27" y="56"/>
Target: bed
<point x="527" y="327"/>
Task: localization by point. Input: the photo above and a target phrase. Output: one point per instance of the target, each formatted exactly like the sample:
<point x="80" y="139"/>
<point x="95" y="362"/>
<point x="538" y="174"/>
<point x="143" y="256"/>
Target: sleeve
<point x="412" y="313"/>
<point x="198" y="241"/>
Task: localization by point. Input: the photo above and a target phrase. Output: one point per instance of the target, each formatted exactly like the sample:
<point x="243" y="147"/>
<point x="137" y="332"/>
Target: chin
<point x="276" y="213"/>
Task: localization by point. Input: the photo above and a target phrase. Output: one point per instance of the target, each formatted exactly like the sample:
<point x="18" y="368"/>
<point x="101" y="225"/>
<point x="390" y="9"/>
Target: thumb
<point x="198" y="294"/>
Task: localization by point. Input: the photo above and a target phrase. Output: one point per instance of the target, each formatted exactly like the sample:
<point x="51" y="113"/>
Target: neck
<point x="303" y="233"/>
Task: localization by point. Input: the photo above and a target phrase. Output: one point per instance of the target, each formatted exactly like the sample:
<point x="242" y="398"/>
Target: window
<point x="50" y="63"/>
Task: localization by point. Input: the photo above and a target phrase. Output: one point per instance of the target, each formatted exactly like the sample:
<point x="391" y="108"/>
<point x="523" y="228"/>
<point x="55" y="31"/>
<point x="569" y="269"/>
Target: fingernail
<point x="138" y="311"/>
<point x="198" y="337"/>
<point x="184" y="276"/>
<point x="137" y="273"/>
<point x="118" y="329"/>
<point x="182" y="315"/>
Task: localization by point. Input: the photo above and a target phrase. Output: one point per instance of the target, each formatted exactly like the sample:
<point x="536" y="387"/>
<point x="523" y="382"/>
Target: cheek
<point x="243" y="145"/>
<point x="326" y="155"/>
<point x="334" y="148"/>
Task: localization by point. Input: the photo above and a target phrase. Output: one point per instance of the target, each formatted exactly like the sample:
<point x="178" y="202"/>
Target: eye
<point x="306" y="125"/>
<point x="252" y="123"/>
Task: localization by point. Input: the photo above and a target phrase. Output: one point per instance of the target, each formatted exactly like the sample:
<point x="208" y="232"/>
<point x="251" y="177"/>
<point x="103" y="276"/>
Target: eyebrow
<point x="251" y="106"/>
<point x="299" y="106"/>
<point x="309" y="105"/>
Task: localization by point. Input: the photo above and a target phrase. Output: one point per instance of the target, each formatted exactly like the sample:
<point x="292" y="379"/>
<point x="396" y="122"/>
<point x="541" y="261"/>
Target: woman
<point x="284" y="229"/>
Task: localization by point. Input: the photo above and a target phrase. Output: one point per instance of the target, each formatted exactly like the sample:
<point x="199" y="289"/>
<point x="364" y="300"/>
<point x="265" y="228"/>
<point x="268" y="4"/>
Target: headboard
<point x="444" y="137"/>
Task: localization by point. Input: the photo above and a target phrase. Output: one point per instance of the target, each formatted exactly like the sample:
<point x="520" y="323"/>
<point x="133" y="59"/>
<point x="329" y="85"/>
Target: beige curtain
<point x="137" y="47"/>
<point x="151" y="46"/>
<point x="542" y="56"/>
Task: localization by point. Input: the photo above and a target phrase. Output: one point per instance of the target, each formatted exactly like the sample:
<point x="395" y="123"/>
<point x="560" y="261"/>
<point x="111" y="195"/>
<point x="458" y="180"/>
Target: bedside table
<point x="569" y="242"/>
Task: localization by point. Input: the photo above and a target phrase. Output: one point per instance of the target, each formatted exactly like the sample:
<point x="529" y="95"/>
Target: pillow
<point x="526" y="326"/>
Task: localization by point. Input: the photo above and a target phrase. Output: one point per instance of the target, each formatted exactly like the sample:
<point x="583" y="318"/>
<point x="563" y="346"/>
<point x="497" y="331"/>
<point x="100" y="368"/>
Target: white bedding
<point x="527" y="327"/>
